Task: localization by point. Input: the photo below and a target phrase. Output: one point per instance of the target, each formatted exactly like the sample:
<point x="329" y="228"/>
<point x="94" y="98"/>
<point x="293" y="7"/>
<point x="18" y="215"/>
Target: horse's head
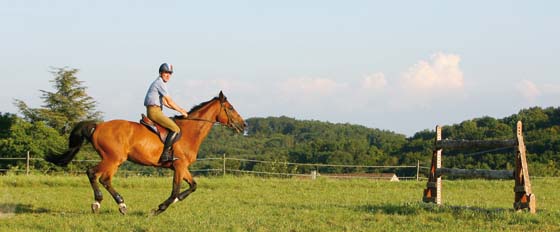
<point x="228" y="116"/>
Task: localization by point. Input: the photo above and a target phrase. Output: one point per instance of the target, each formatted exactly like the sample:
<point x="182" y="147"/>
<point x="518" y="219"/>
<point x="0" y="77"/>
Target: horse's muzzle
<point x="238" y="127"/>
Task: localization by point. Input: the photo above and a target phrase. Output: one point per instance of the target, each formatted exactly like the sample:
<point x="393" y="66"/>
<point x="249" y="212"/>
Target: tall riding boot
<point x="167" y="155"/>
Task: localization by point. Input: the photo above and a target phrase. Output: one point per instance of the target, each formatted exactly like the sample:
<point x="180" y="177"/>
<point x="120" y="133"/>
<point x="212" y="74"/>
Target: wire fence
<point x="238" y="166"/>
<point x="224" y="168"/>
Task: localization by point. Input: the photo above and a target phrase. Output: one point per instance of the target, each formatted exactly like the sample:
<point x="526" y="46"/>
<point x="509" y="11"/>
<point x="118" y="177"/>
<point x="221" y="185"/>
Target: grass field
<point x="62" y="203"/>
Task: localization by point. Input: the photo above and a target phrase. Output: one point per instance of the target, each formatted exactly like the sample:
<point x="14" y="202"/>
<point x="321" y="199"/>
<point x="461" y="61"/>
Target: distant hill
<point x="288" y="139"/>
<point x="309" y="141"/>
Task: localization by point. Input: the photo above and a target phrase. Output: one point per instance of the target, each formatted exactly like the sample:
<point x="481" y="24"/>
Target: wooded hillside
<point x="288" y="139"/>
<point x="285" y="139"/>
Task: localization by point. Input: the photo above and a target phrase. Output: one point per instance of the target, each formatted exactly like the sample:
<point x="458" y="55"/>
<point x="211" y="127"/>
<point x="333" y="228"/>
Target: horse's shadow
<point x="10" y="208"/>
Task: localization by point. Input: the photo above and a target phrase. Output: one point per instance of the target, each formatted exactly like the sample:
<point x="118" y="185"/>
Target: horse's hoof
<point x="95" y="207"/>
<point x="122" y="208"/>
<point x="156" y="212"/>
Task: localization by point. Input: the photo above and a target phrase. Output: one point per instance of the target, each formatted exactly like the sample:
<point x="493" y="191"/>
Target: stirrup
<point x="167" y="158"/>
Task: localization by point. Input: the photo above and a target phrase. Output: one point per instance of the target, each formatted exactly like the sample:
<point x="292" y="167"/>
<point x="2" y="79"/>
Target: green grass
<point x="62" y="203"/>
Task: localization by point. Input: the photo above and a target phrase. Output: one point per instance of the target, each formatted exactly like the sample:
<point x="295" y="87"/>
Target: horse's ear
<point x="221" y="96"/>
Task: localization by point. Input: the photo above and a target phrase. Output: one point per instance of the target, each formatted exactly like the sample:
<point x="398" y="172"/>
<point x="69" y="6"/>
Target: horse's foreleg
<point x="105" y="180"/>
<point x="174" y="193"/>
<point x="97" y="195"/>
<point x="192" y="186"/>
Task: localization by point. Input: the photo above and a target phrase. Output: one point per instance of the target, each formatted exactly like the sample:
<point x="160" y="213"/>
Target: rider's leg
<point x="167" y="155"/>
<point x="156" y="115"/>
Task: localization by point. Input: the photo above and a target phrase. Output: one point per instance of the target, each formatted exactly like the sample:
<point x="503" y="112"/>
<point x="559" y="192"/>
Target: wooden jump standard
<point x="524" y="197"/>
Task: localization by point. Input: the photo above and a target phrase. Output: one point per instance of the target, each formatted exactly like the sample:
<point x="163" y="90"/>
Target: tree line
<point x="286" y="140"/>
<point x="302" y="141"/>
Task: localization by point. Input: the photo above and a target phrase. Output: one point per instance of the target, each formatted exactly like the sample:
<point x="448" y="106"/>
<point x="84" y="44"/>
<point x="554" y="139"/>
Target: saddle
<point x="157" y="129"/>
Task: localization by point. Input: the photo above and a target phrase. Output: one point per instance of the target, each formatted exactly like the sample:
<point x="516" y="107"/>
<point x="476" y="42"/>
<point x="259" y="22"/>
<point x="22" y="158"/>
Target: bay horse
<point x="117" y="141"/>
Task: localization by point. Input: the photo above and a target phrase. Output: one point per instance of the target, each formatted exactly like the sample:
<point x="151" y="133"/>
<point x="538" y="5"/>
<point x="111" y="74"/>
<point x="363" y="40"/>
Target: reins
<point x="206" y="120"/>
<point x="197" y="119"/>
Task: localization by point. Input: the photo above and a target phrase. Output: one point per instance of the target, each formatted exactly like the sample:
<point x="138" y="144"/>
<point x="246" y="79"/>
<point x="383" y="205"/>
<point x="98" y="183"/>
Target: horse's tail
<point x="83" y="130"/>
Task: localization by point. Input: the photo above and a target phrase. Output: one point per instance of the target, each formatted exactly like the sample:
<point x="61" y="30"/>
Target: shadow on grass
<point x="9" y="208"/>
<point x="463" y="209"/>
<point x="141" y="214"/>
<point x="416" y="208"/>
<point x="405" y="209"/>
<point x="389" y="208"/>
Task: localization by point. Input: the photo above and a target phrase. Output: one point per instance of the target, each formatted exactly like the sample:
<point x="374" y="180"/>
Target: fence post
<point x="418" y="171"/>
<point x="224" y="164"/>
<point x="313" y="175"/>
<point x="432" y="193"/>
<point x="27" y="165"/>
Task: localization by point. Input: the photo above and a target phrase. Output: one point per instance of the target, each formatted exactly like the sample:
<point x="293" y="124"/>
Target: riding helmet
<point x="165" y="67"/>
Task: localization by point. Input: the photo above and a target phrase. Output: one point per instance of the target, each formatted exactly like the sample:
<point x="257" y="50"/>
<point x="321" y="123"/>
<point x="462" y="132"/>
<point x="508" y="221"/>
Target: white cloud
<point x="528" y="90"/>
<point x="436" y="81"/>
<point x="441" y="73"/>
<point x="375" y="81"/>
<point x="427" y="83"/>
<point x="421" y="85"/>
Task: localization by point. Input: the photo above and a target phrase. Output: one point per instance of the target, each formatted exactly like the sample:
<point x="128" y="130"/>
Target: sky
<point x="402" y="66"/>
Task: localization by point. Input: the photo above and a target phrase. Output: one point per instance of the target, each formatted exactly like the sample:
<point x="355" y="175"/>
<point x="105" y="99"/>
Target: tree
<point x="68" y="105"/>
<point x="37" y="138"/>
<point x="6" y="121"/>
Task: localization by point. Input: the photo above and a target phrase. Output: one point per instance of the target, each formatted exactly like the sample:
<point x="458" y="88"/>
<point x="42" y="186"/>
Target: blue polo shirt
<point x="155" y="93"/>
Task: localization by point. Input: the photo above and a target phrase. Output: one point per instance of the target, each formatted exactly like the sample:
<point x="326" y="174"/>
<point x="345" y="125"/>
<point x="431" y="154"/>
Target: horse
<point x="117" y="141"/>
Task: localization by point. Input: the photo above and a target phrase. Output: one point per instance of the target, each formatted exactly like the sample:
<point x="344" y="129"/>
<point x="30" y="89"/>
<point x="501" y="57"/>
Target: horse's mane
<point x="197" y="107"/>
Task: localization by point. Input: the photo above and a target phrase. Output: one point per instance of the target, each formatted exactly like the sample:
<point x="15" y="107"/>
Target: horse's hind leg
<point x="97" y="195"/>
<point x="107" y="173"/>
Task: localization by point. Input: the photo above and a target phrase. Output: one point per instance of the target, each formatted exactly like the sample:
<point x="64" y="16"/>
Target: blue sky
<point x="403" y="66"/>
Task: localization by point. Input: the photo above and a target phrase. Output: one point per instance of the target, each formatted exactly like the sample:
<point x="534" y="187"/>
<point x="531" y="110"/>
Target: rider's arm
<point x="169" y="103"/>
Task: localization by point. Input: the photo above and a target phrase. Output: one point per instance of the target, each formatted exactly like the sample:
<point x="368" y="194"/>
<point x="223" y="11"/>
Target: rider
<point x="156" y="97"/>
